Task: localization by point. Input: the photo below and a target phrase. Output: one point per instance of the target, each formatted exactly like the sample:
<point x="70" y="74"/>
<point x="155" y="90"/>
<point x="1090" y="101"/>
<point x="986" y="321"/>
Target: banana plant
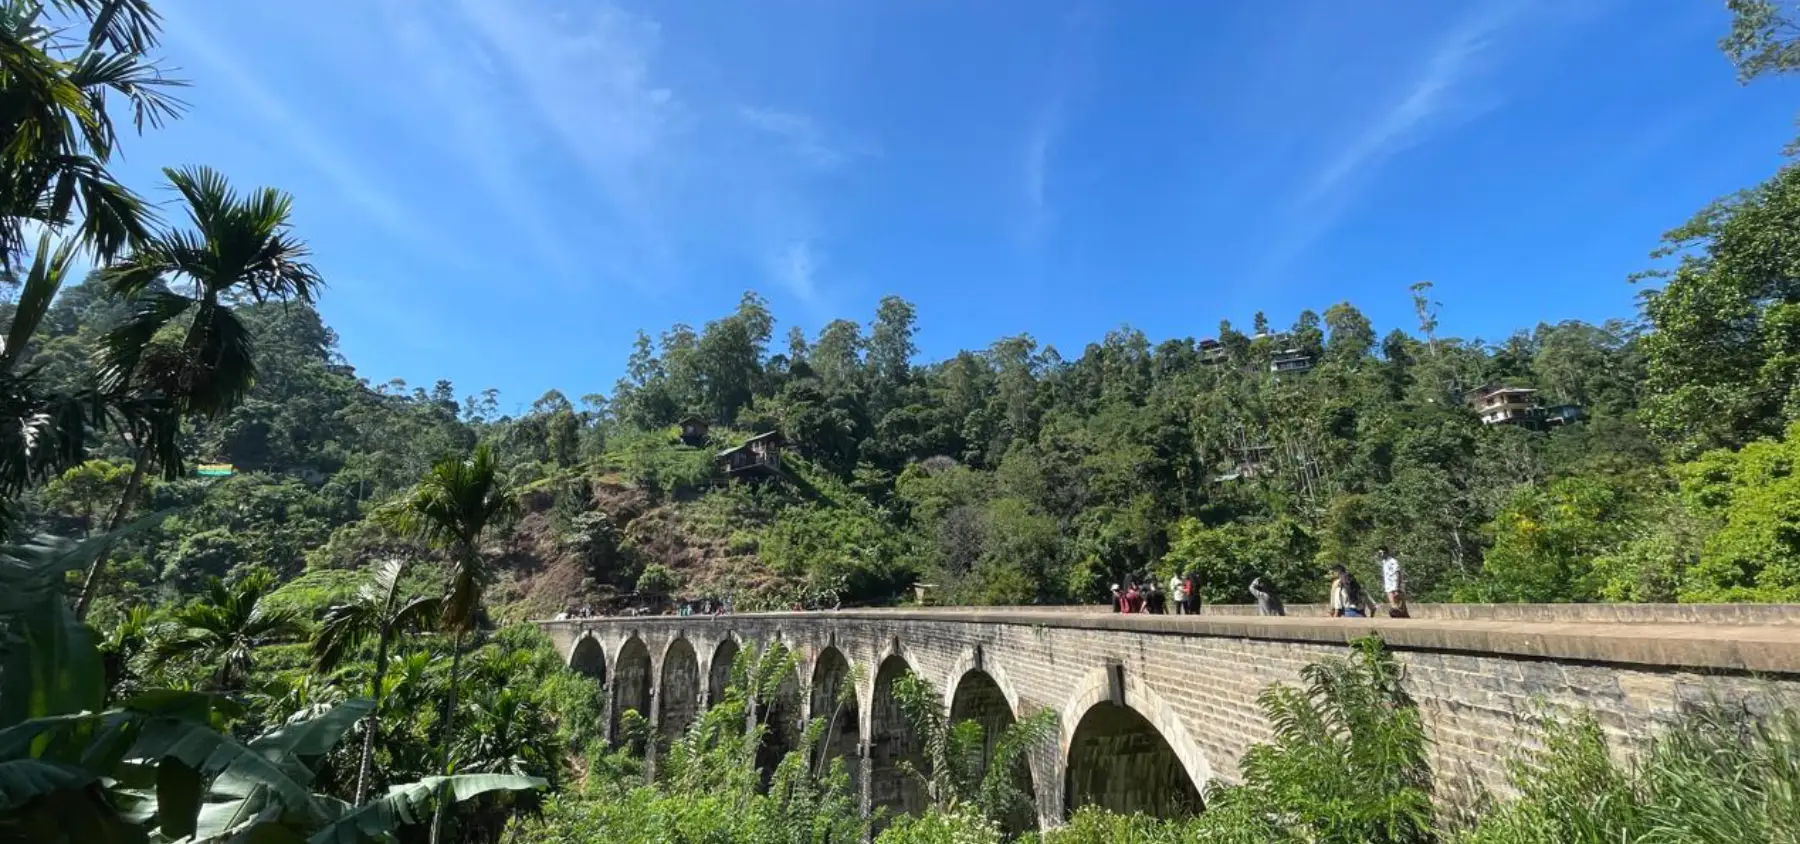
<point x="159" y="767"/>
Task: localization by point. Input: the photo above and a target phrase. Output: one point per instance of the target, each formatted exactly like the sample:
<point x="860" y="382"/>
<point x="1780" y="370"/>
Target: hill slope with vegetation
<point x="314" y="645"/>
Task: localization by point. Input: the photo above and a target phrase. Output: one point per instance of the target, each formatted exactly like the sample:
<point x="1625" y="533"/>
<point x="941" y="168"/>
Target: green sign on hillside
<point x="214" y="470"/>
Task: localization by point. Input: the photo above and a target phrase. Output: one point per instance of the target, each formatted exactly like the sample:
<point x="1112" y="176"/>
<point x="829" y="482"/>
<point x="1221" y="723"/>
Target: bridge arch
<point x="631" y="681"/>
<point x="718" y="674"/>
<point x="892" y="740"/>
<point x="588" y="658"/>
<point x="834" y="699"/>
<point x="978" y="695"/>
<point x="1132" y="758"/>
<point x="779" y="713"/>
<point x="679" y="688"/>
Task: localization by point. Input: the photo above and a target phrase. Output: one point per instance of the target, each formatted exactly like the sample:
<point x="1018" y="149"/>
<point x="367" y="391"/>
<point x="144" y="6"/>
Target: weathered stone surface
<point x="1150" y="708"/>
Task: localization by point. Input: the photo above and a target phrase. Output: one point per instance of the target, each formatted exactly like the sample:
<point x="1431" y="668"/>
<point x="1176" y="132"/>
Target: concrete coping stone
<point x="1727" y="648"/>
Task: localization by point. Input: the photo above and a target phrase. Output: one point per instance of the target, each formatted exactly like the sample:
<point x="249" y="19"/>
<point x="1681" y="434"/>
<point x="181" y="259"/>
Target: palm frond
<point x="40" y="287"/>
<point x="127" y="26"/>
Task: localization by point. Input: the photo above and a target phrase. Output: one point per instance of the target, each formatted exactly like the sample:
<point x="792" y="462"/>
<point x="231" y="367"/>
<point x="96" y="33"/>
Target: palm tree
<point x="377" y="612"/>
<point x="452" y="508"/>
<point x="224" y="629"/>
<point x="183" y="342"/>
<point x="54" y="97"/>
<point x="52" y="428"/>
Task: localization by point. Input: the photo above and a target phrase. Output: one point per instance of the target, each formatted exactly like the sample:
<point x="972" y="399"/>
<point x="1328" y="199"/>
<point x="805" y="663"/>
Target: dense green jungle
<point x="326" y="642"/>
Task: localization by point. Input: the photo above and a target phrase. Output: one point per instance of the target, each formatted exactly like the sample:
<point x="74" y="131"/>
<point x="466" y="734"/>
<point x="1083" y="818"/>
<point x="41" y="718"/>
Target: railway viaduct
<point x="1149" y="709"/>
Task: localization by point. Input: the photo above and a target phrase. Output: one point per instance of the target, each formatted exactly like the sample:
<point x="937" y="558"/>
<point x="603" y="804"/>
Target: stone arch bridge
<point x="1149" y="709"/>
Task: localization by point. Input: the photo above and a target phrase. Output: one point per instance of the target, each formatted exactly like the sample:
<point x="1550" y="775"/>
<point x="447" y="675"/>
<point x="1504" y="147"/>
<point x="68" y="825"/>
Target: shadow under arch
<point x="833" y="699"/>
<point x="776" y="709"/>
<point x="679" y="687"/>
<point x="631" y="682"/>
<point x="892" y="740"/>
<point x="978" y="697"/>
<point x="1135" y="758"/>
<point x="718" y="675"/>
<point x="588" y="658"/>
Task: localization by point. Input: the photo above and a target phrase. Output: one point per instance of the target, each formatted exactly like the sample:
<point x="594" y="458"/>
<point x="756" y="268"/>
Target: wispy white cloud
<point x="559" y="126"/>
<point x="802" y="136"/>
<point x="668" y="171"/>
<point x="796" y="267"/>
<point x="588" y="75"/>
<point x="1036" y="161"/>
<point x="302" y="138"/>
<point x="1432" y="100"/>
<point x="469" y="106"/>
<point x="1440" y="95"/>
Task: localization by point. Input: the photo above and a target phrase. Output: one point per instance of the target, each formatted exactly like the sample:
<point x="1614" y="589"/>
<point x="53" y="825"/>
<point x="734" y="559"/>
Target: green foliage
<point x="1719" y="775"/>
<point x="656" y="460"/>
<point x="1547" y="539"/>
<point x="1754" y="497"/>
<point x="222" y="632"/>
<point x="1226" y="558"/>
<point x="848" y="551"/>
<point x="973" y="779"/>
<point x="1762" y="38"/>
<point x="1348" y="762"/>
<point x="1725" y="352"/>
<point x="658" y="580"/>
<point x="708" y="786"/>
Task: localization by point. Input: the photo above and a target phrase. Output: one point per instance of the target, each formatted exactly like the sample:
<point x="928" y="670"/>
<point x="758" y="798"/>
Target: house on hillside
<point x="693" y="430"/>
<point x="758" y="458"/>
<point x="1558" y="415"/>
<point x="1213" y="352"/>
<point x="1500" y="405"/>
<point x="1290" y="362"/>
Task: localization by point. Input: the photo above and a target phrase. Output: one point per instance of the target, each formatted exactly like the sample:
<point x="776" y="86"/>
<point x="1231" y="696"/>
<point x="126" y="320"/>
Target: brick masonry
<point x="1189" y="685"/>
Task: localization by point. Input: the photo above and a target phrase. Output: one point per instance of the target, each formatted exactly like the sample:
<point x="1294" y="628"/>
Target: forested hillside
<point x="312" y="643"/>
<point x="1014" y="474"/>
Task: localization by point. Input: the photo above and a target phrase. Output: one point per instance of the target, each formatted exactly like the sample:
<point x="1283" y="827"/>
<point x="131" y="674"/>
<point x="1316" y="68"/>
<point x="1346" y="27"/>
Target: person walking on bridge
<point x="1178" y="593"/>
<point x="1393" y="583"/>
<point x="1133" y="601"/>
<point x="1347" y="597"/>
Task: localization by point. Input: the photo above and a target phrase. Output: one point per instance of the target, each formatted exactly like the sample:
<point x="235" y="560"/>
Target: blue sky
<point x="501" y="192"/>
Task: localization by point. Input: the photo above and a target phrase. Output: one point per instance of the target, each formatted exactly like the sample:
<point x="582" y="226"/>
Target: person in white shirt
<point x="1393" y="583"/>
<point x="1178" y="593"/>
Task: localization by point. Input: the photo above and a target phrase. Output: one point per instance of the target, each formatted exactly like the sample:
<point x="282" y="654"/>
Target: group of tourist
<point x="1348" y="598"/>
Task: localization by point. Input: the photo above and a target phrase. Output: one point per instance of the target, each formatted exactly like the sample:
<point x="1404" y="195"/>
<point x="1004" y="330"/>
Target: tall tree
<point x="379" y="611"/>
<point x="58" y="425"/>
<point x="224" y="629"/>
<point x="891" y="350"/>
<point x="452" y="508"/>
<point x="57" y="121"/>
<point x="1724" y="357"/>
<point x="183" y="341"/>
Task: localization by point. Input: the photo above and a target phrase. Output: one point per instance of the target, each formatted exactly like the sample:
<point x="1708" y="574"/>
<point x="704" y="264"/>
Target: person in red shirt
<point x="1134" y="598"/>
